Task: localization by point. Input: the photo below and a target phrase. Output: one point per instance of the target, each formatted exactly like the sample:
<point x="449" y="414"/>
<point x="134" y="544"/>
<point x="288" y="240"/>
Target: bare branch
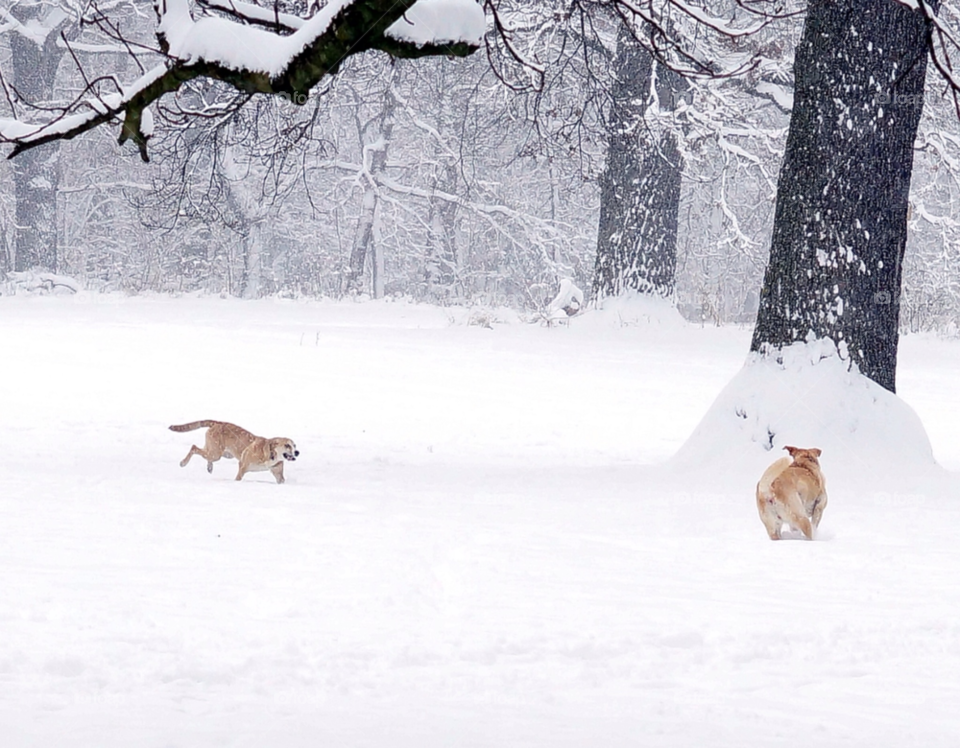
<point x="940" y="41"/>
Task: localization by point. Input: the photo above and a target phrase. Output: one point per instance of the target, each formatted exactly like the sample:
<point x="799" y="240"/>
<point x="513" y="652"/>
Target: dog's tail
<point x="194" y="425"/>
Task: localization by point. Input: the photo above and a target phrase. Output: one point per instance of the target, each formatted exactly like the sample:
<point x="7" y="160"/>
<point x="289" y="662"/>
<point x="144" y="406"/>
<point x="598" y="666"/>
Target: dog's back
<point x="228" y="436"/>
<point x="764" y="487"/>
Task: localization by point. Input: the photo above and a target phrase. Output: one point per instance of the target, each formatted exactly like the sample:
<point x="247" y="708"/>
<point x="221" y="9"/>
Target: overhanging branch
<point x="350" y="28"/>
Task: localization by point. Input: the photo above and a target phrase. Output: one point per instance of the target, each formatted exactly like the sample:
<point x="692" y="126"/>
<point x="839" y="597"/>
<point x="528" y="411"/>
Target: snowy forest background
<point x="431" y="179"/>
<point x="529" y="535"/>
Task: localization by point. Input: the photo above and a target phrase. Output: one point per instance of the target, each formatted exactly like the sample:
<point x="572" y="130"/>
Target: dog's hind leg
<point x="195" y="450"/>
<point x="769" y="516"/>
<point x="212" y="450"/>
<point x="803" y="525"/>
<point x="819" y="504"/>
<point x="773" y="528"/>
<point x="796" y="517"/>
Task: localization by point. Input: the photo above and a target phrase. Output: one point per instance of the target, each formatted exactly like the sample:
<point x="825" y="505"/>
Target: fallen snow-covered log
<point x="37" y="282"/>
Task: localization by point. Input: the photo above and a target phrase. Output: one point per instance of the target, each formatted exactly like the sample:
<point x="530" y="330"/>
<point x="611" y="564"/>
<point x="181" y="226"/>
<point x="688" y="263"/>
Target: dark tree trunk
<point x="35" y="187"/>
<point x="840" y="226"/>
<point x="36" y="174"/>
<point x="640" y="185"/>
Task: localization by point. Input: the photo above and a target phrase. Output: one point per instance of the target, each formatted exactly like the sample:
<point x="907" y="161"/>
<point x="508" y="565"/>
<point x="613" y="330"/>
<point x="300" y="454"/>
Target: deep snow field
<point x="483" y="543"/>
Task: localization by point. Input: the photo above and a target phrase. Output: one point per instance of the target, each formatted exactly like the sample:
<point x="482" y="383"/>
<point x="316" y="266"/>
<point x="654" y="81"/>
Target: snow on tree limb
<point x="426" y="22"/>
<point x="252" y="59"/>
<point x="439" y="22"/>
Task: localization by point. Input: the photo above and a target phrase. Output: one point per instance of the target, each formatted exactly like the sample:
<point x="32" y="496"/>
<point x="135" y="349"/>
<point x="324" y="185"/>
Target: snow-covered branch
<point x="287" y="62"/>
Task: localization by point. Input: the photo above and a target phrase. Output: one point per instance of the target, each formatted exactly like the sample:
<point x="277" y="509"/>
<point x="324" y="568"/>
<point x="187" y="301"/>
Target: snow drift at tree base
<point x="810" y="395"/>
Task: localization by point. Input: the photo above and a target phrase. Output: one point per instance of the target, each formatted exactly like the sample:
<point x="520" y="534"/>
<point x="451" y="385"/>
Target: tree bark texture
<point x="36" y="175"/>
<point x="640" y="184"/>
<point x="840" y="225"/>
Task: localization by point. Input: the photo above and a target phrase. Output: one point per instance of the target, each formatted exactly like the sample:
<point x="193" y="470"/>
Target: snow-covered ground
<point x="479" y="546"/>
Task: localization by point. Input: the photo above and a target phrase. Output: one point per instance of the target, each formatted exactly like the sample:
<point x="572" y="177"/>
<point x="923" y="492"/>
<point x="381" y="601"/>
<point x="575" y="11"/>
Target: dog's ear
<point x="792" y="450"/>
<point x="273" y="452"/>
<point x="816" y="452"/>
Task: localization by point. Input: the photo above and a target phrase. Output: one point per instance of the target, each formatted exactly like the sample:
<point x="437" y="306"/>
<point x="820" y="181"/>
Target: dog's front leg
<point x="277" y="471"/>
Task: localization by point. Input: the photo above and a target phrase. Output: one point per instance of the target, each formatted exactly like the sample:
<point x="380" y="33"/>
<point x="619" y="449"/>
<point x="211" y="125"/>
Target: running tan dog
<point x="792" y="491"/>
<point x="254" y="452"/>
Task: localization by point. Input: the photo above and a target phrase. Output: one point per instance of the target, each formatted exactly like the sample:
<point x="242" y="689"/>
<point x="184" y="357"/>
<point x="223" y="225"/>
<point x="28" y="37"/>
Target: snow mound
<point x="567" y="302"/>
<point x="634" y="309"/>
<point x="37" y="282"/>
<point x="808" y="395"/>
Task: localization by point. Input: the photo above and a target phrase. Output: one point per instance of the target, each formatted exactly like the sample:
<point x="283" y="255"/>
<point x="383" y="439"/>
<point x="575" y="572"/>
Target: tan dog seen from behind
<point x="792" y="491"/>
<point x="254" y="452"/>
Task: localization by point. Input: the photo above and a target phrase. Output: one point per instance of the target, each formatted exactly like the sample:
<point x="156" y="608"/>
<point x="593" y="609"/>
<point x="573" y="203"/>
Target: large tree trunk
<point x="35" y="179"/>
<point x="640" y="185"/>
<point x="36" y="174"/>
<point x="840" y="226"/>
